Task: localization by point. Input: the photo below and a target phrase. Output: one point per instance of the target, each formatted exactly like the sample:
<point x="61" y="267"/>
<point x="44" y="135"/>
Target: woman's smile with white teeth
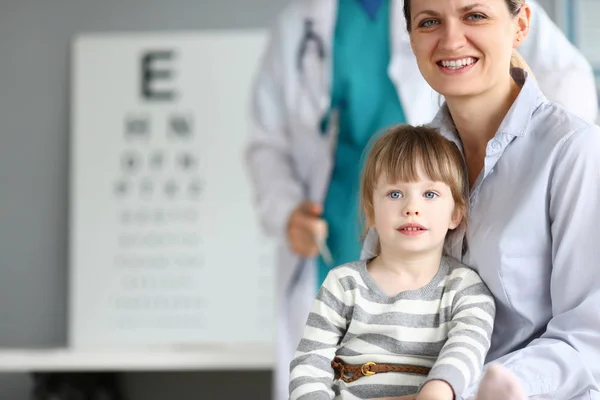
<point x="455" y="64"/>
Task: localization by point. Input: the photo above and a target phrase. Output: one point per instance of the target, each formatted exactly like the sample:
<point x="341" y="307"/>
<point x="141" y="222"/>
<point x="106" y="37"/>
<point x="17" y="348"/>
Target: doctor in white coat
<point x="293" y="134"/>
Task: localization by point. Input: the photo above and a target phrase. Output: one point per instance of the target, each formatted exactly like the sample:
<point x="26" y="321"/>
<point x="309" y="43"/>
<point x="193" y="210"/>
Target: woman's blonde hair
<point x="517" y="61"/>
<point x="397" y="155"/>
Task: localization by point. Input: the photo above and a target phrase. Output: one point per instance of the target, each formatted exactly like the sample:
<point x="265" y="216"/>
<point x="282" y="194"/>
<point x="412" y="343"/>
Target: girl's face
<point x="463" y="47"/>
<point x="413" y="217"/>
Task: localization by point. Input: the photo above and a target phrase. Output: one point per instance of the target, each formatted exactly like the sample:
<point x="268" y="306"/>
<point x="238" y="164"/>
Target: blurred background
<point x="35" y="161"/>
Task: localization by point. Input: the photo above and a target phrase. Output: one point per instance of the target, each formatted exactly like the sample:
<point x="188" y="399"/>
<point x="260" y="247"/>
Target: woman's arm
<point x="564" y="363"/>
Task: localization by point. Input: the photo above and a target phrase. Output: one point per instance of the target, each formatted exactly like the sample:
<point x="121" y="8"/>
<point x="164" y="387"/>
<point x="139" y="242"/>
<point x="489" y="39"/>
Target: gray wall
<point x="34" y="53"/>
<point x="34" y="110"/>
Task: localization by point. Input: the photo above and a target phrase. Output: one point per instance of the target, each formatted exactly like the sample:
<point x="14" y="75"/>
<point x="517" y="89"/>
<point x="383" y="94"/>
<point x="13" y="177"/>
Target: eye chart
<point x="165" y="245"/>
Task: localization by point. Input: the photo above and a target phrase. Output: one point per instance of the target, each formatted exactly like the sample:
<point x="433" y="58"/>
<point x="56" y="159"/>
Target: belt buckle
<point x="364" y="368"/>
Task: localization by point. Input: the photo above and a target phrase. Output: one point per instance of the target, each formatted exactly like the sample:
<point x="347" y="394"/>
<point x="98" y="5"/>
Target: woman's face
<point x="463" y="47"/>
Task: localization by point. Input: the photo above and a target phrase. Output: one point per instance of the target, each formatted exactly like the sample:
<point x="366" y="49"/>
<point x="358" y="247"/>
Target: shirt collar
<point x="517" y="120"/>
<point x="371" y="7"/>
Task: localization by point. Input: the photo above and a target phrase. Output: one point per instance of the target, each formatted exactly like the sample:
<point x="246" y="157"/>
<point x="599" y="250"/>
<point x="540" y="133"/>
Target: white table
<point x="209" y="358"/>
<point x="90" y="371"/>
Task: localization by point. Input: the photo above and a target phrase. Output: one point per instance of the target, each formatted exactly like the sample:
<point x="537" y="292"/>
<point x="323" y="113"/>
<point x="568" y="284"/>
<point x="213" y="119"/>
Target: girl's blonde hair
<point x="397" y="155"/>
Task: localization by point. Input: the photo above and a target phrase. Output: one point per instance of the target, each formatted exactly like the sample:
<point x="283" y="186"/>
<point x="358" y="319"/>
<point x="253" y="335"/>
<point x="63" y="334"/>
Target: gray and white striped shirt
<point x="445" y="325"/>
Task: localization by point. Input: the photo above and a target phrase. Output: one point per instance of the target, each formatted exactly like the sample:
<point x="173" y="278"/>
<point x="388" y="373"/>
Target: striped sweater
<point x="445" y="326"/>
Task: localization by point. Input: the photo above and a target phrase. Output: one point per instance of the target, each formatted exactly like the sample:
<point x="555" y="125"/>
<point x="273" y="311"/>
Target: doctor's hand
<point x="304" y="227"/>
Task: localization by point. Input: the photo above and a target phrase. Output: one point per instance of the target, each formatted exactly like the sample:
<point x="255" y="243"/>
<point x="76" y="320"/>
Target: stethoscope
<point x="309" y="37"/>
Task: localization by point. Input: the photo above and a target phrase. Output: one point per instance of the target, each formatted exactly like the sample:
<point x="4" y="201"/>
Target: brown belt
<point x="370" y="368"/>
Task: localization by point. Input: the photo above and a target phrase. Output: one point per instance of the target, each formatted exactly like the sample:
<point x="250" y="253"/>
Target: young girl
<point x="409" y="319"/>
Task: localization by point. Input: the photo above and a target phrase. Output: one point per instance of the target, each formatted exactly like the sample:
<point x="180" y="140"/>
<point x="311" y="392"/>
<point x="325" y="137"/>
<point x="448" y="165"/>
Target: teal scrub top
<point x="368" y="103"/>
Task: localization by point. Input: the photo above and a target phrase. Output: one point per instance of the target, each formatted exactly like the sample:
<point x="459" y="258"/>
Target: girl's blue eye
<point x="430" y="195"/>
<point x="395" y="195"/>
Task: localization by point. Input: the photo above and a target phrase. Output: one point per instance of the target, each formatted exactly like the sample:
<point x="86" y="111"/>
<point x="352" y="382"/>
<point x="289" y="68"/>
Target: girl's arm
<point x="311" y="374"/>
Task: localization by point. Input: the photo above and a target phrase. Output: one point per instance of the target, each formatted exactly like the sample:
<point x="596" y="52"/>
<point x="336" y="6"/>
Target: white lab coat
<point x="291" y="161"/>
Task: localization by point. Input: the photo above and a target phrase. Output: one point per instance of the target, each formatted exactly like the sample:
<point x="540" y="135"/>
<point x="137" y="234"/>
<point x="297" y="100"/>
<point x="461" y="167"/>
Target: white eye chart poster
<point x="165" y="245"/>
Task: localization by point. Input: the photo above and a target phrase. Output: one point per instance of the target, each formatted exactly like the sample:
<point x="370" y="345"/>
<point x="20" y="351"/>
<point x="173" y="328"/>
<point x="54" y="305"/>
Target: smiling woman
<point x="534" y="174"/>
<point x="314" y="108"/>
